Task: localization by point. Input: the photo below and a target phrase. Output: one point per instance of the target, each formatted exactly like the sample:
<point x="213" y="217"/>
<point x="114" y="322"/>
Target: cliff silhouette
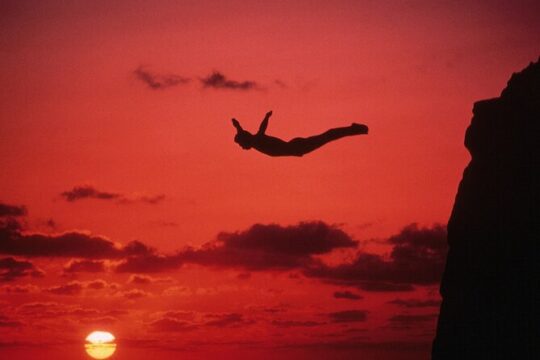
<point x="490" y="286"/>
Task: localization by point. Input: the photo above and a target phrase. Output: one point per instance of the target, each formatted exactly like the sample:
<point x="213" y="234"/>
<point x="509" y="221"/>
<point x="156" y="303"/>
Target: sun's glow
<point x="100" y="345"/>
<point x="100" y="337"/>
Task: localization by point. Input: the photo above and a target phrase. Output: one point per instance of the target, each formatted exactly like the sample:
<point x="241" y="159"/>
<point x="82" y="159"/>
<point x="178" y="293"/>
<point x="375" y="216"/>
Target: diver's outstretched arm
<point x="237" y="125"/>
<point x="264" y="123"/>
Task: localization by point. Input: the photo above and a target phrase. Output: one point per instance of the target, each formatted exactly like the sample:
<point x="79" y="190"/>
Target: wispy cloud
<point x="217" y="80"/>
<point x="70" y="289"/>
<point x="347" y="295"/>
<point x="296" y="323"/>
<point x="88" y="192"/>
<point x="348" y="316"/>
<point x="11" y="269"/>
<point x="134" y="294"/>
<point x="74" y="288"/>
<point x="139" y="279"/>
<point x="159" y="81"/>
<point x="87" y="266"/>
<point x="81" y="192"/>
<point x="171" y="325"/>
<point x="7" y="322"/>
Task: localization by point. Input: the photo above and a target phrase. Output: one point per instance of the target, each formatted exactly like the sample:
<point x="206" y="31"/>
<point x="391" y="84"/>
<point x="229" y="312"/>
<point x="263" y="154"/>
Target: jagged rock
<point x="491" y="283"/>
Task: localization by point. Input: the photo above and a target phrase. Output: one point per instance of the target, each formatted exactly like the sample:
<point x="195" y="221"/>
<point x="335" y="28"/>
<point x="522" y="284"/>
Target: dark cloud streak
<point x="217" y="80"/>
<point x="348" y="316"/>
<point x="81" y="192"/>
<point x="88" y="192"/>
<point x="11" y="269"/>
<point x="347" y="295"/>
<point x="11" y="210"/>
<point x="159" y="81"/>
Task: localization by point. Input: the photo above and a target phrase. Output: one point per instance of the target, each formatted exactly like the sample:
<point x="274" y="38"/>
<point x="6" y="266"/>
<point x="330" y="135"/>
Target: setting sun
<point x="100" y="344"/>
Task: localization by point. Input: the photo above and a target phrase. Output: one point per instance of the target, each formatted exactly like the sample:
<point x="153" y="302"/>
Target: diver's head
<point x="244" y="139"/>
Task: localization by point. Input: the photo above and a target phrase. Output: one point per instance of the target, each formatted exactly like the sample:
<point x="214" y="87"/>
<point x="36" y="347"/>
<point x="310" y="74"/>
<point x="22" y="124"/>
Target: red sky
<point x="156" y="146"/>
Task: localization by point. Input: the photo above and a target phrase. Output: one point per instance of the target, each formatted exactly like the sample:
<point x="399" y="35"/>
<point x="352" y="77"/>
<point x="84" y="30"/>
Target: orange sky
<point x="74" y="113"/>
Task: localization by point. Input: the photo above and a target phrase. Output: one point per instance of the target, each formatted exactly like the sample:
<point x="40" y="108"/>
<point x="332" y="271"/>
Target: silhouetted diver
<point x="299" y="146"/>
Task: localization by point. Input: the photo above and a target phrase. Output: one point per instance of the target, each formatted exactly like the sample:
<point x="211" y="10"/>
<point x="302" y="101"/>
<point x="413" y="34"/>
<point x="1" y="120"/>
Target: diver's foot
<point x="359" y="128"/>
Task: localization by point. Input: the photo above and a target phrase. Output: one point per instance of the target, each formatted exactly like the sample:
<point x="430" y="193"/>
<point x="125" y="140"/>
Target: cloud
<point x="178" y="315"/>
<point x="295" y="323"/>
<point x="89" y="266"/>
<point x="140" y="279"/>
<point x="381" y="286"/>
<point x="412" y="318"/>
<point x="81" y="192"/>
<point x="180" y="321"/>
<point x="88" y="192"/>
<point x="69" y="289"/>
<point x="171" y="325"/>
<point x="149" y="263"/>
<point x="156" y="199"/>
<point x="159" y="81"/>
<point x="217" y="80"/>
<point x="52" y="310"/>
<point x="416" y="303"/>
<point x="226" y="320"/>
<point x="261" y="247"/>
<point x="347" y="295"/>
<point x="76" y="287"/>
<point x="362" y="342"/>
<point x="49" y="310"/>
<point x="348" y="316"/>
<point x="177" y="291"/>
<point x="135" y="294"/>
<point x="51" y="224"/>
<point x="407" y="321"/>
<point x="11" y="269"/>
<point x="146" y="280"/>
<point x="96" y="284"/>
<point x="281" y="84"/>
<point x="8" y="322"/>
<point x="11" y="210"/>
<point x="19" y="289"/>
<point x="40" y="309"/>
<point x="75" y="244"/>
<point x="69" y="244"/>
<point x="98" y="321"/>
<point x="270" y="247"/>
<point x="417" y="258"/>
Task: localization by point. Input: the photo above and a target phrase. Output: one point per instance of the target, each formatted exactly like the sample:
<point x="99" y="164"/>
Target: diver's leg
<point x="301" y="146"/>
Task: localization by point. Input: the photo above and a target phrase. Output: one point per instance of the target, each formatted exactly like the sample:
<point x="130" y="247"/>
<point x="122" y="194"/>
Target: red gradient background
<point x="74" y="113"/>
